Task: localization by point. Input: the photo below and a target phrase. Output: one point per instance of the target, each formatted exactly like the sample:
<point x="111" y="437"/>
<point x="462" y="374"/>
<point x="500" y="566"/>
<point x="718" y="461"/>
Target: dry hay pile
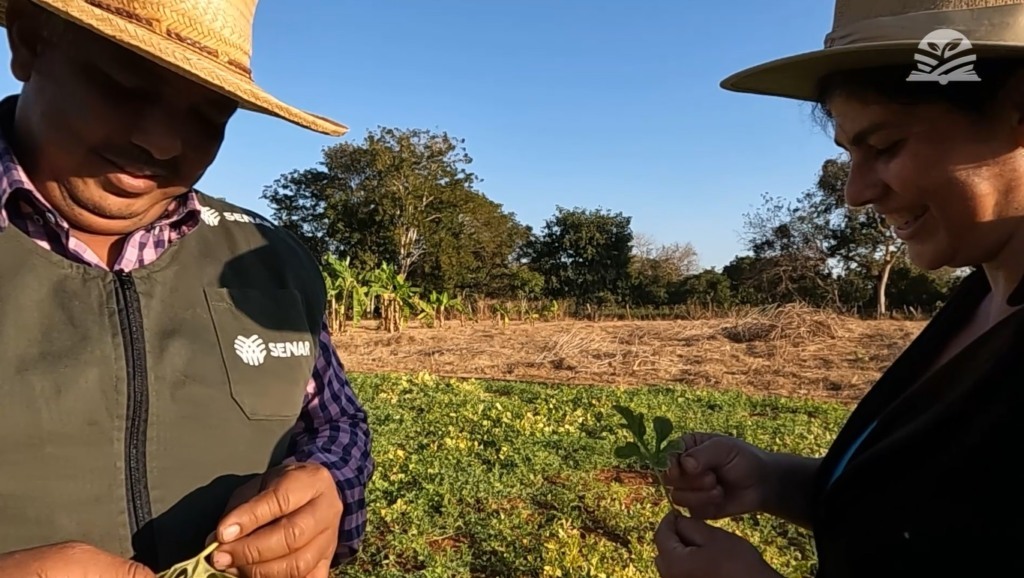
<point x="791" y="324"/>
<point x="790" y="350"/>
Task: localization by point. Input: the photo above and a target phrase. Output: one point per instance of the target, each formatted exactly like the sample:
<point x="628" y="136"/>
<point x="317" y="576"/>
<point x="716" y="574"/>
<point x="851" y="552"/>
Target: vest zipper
<point x="129" y="313"/>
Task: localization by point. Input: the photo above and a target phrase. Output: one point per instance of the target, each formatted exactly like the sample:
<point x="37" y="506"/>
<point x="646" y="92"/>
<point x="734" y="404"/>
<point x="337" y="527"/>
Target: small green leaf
<point x="659" y="462"/>
<point x="662" y="431"/>
<point x="627" y="415"/>
<point x="656" y="458"/>
<point x="641" y="427"/>
<point x="628" y="451"/>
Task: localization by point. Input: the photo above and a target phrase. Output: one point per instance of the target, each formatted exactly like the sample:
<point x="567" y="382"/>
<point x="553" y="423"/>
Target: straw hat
<point x="208" y="41"/>
<point x="889" y="32"/>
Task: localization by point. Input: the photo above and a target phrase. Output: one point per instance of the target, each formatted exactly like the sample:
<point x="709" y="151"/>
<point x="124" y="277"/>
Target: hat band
<point x="990" y="24"/>
<point x="142" y="20"/>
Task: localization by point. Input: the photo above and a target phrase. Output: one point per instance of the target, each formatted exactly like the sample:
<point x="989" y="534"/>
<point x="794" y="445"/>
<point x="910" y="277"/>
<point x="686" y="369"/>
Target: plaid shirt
<point x="332" y="428"/>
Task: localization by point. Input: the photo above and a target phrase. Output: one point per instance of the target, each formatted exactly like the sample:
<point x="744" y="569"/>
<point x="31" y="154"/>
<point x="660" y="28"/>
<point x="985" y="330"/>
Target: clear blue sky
<point x="592" y="103"/>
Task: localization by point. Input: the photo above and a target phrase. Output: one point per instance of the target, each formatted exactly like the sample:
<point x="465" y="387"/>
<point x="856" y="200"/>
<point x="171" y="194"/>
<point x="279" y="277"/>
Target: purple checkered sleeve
<point x="332" y="430"/>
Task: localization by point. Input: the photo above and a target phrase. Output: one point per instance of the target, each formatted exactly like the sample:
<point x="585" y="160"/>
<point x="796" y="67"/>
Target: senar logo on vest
<point x="213" y="217"/>
<point x="253" y="350"/>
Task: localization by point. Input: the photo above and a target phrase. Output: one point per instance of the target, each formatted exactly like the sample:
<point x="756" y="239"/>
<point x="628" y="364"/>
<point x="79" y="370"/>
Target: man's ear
<point x="29" y="28"/>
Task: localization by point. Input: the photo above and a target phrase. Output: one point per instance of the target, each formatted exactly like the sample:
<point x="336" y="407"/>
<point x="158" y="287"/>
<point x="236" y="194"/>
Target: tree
<point x="790" y="254"/>
<point x="912" y="287"/>
<point x="471" y="247"/>
<point x="404" y="197"/>
<point x="746" y="276"/>
<point x="655" y="270"/>
<point x="858" y="237"/>
<point x="708" y="287"/>
<point x="681" y="259"/>
<point x="584" y="255"/>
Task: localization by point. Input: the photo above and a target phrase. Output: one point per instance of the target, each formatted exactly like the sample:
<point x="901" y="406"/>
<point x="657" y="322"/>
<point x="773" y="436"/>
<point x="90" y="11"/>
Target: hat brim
<point x="798" y="77"/>
<point x="186" y="62"/>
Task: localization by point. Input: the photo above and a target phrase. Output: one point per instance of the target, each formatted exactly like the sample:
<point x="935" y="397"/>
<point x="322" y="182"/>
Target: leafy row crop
<point x="481" y="478"/>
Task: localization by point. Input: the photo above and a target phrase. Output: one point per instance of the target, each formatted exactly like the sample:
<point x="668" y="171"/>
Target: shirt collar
<point x="13" y="178"/>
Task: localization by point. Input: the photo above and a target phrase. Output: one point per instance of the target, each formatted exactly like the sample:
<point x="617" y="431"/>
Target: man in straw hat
<point x="926" y="97"/>
<point x="168" y="379"/>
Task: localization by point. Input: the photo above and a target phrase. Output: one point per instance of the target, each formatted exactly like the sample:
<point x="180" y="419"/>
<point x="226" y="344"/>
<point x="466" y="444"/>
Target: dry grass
<point x="786" y="350"/>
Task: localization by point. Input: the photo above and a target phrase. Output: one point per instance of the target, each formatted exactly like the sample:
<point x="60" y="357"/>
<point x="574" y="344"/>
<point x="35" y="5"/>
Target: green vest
<point x="134" y="404"/>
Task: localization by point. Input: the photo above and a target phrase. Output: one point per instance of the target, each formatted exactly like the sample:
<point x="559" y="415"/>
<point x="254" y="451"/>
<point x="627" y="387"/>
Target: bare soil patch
<point x="787" y="351"/>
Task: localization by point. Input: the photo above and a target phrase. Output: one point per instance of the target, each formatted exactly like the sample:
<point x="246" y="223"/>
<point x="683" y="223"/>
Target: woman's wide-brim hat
<point x="208" y="41"/>
<point x="936" y="39"/>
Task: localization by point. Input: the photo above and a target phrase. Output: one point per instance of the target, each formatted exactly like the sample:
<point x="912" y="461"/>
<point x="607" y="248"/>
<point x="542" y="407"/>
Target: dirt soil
<point x="787" y="351"/>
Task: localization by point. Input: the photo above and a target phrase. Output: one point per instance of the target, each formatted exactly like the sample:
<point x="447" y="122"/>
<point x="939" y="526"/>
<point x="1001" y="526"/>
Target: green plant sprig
<point x="653" y="456"/>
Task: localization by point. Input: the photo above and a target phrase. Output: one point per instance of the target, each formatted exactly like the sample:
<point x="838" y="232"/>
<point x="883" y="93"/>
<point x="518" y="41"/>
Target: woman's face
<point x="951" y="185"/>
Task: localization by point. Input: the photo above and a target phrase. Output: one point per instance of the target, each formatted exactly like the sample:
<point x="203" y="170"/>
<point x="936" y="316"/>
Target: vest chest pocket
<point x="268" y="349"/>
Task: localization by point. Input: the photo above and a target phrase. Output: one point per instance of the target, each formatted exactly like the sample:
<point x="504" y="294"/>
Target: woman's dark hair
<point x="889" y="84"/>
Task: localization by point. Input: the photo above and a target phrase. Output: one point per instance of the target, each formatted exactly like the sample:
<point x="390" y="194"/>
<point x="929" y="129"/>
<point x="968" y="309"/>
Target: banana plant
<point x="395" y="294"/>
<point x="345" y="292"/>
<point x="501" y="313"/>
<point x="441" y="304"/>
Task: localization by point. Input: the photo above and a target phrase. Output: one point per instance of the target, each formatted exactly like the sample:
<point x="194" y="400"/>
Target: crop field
<point x="505" y="467"/>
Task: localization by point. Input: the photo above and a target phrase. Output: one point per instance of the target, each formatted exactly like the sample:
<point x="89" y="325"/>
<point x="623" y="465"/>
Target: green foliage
<point x="395" y="295"/>
<point x="584" y="254"/>
<point x="910" y="287"/>
<point x="657" y="272"/>
<point x="434" y="311"/>
<point x="653" y="456"/>
<point x="346" y="294"/>
<point x="404" y="197"/>
<point x="478" y="478"/>
<point x="195" y="568"/>
<point x="708" y="287"/>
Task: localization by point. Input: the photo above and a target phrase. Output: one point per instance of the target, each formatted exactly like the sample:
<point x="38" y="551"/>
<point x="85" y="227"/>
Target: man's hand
<point x="281" y="525"/>
<point x="69" y="560"/>
<point x="692" y="548"/>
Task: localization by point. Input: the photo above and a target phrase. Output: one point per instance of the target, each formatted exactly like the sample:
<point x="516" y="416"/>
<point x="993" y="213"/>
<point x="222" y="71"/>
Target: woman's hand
<point x="689" y="548"/>
<point x="716" y="476"/>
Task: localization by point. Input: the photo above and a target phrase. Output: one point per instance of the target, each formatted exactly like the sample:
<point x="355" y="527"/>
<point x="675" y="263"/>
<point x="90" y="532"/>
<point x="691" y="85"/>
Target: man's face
<point x="108" y="137"/>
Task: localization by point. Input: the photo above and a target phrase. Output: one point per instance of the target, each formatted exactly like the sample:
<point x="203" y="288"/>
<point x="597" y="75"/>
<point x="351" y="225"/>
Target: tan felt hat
<point x="208" y="41"/>
<point x="937" y="40"/>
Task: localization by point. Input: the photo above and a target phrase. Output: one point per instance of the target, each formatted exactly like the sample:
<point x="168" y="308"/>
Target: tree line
<point x="403" y="205"/>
